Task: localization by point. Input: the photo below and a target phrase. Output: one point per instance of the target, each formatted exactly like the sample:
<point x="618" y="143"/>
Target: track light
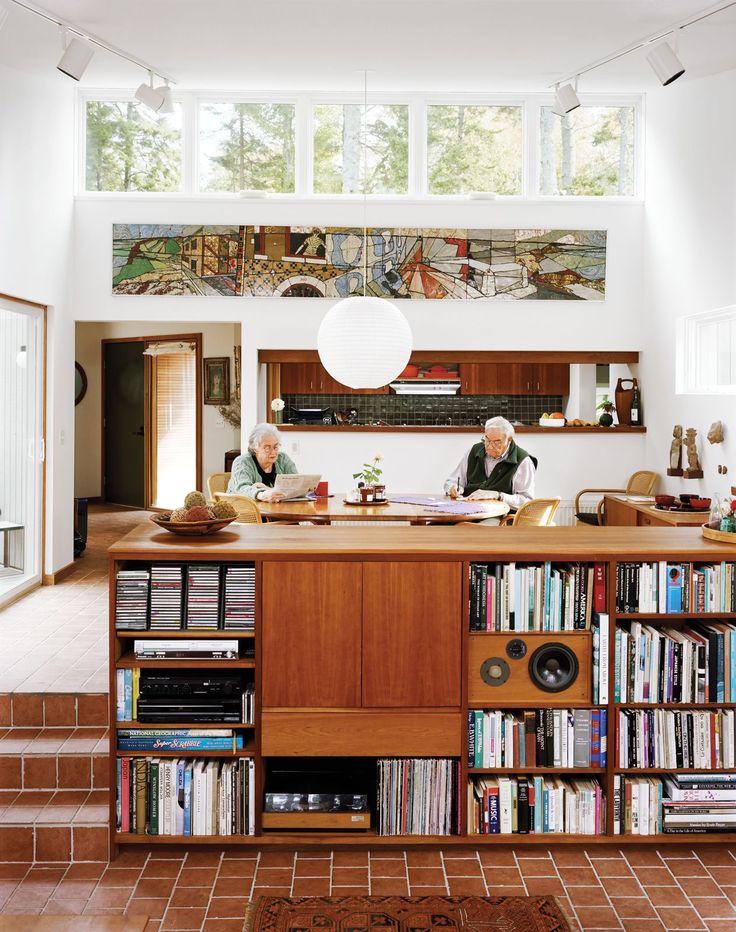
<point x="566" y="99"/>
<point x="149" y="95"/>
<point x="168" y="105"/>
<point x="77" y="55"/>
<point x="665" y="64"/>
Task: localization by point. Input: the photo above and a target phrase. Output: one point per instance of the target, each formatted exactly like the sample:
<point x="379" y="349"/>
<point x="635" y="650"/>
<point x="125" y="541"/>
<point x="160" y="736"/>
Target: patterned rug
<point x="405" y="914"/>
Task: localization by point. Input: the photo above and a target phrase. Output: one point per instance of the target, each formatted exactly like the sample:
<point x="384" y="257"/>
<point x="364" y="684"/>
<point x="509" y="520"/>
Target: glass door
<point x="22" y="447"/>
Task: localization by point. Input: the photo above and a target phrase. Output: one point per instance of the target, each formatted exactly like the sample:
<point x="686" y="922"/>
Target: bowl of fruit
<point x="556" y="419"/>
<point x="196" y="518"/>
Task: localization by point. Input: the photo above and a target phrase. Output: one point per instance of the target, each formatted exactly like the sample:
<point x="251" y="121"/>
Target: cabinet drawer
<point x="360" y="734"/>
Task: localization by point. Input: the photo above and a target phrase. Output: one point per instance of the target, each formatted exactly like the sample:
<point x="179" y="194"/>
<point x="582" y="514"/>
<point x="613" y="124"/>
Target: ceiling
<point x="484" y="45"/>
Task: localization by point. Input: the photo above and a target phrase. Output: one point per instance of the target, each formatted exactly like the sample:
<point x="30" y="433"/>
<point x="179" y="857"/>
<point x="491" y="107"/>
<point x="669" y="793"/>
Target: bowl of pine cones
<point x="196" y="518"/>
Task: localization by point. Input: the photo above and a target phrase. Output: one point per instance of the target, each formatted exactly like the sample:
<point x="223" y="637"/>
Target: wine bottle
<point x="636" y="405"/>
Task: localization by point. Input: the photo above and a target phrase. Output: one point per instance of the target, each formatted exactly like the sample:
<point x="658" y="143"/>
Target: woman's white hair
<point x="500" y="423"/>
<point x="259" y="434"/>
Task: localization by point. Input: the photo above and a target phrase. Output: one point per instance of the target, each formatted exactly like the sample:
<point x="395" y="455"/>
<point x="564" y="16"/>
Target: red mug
<point x="321" y="490"/>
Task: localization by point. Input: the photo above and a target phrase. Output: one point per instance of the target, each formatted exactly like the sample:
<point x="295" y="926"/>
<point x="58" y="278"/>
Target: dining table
<point x="407" y="507"/>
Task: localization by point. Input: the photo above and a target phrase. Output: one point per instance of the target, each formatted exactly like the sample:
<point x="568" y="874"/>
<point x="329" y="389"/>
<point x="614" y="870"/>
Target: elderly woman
<point x="254" y="472"/>
<point x="495" y="468"/>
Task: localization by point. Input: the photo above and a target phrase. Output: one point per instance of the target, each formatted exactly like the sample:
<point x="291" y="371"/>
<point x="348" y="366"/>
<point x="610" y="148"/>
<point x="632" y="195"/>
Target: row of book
<point x="418" y="796"/>
<point x="676" y="739"/>
<point x="128" y="692"/>
<point x="665" y="665"/>
<point x="196" y="597"/>
<point x="535" y="596"/>
<point x="537" y="738"/>
<point x="185" y="740"/>
<point x="185" y="797"/>
<point x="675" y="587"/>
<point x="677" y="803"/>
<point x="535" y="805"/>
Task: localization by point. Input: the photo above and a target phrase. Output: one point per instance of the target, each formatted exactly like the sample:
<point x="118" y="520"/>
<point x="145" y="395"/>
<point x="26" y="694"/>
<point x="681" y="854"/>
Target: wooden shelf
<point x="127" y="660"/>
<point x="675" y="616"/>
<point x="540" y="771"/>
<point x="168" y="726"/>
<point x="187" y="634"/>
<point x="651" y="770"/>
<point x="674" y="706"/>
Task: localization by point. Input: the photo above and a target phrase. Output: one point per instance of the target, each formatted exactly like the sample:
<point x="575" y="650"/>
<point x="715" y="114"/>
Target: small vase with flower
<point x="277" y="406"/>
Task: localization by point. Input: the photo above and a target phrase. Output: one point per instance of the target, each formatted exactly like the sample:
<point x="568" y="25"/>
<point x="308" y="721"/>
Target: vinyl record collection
<point x="535" y="597"/>
<point x="418" y="796"/>
<point x="665" y="665"/>
<point x="168" y="796"/>
<point x="675" y="588"/>
<point x="195" y="597"/>
<point x="675" y="739"/>
<point x="535" y="805"/>
<point x="537" y="738"/>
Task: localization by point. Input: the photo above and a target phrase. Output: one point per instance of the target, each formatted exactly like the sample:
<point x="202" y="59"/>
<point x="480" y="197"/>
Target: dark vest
<point x="502" y="477"/>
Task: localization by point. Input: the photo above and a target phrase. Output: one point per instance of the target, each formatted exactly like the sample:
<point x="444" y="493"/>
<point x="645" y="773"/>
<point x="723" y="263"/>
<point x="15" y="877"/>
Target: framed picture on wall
<point x="217" y="380"/>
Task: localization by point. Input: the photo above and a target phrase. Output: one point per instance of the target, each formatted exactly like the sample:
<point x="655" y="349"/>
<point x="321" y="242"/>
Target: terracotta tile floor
<point x="64" y="644"/>
<point x="641" y="890"/>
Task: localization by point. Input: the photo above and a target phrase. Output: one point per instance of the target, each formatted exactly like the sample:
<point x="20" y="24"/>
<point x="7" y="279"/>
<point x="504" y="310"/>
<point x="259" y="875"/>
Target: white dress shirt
<point x="522" y="484"/>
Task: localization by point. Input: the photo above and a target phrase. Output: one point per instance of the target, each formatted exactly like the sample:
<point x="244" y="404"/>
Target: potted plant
<point x="370" y="476"/>
<point x="607" y="407"/>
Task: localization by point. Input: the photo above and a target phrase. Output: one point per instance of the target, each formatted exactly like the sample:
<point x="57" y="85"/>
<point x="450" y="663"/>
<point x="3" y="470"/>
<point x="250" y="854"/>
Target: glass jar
<point x="379" y="493"/>
<point x="366" y="494"/>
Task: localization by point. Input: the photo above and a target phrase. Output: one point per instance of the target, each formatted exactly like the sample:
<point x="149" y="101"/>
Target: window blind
<point x="175" y="423"/>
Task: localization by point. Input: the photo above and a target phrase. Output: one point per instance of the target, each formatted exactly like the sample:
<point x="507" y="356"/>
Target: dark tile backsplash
<point x="429" y="410"/>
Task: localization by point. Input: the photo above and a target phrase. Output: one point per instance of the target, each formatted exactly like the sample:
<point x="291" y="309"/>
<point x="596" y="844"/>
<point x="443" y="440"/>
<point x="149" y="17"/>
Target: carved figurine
<point x="715" y="434"/>
<point x="693" y="470"/>
<point x="675" y="468"/>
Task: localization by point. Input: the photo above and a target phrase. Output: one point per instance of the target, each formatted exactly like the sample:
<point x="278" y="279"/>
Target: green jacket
<point x="245" y="475"/>
<point x="502" y="477"/>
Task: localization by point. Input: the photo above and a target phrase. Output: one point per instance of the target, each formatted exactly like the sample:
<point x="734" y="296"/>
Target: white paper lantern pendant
<point x="364" y="342"/>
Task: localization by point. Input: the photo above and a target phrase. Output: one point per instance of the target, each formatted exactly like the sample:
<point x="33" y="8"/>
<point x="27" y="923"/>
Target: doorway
<point x="22" y="453"/>
<point x="151" y="420"/>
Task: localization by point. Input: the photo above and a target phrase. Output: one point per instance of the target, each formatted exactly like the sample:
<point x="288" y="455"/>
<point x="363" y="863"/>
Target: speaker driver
<point x="516" y="648"/>
<point x="553" y="667"/>
<point x="494" y="671"/>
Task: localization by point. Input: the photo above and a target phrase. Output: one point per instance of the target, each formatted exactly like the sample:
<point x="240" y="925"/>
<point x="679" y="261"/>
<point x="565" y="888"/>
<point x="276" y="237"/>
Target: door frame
<point x="41" y="578"/>
<point x="148" y="402"/>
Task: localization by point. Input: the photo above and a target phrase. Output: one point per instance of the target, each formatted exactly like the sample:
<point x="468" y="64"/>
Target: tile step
<point x="53" y="826"/>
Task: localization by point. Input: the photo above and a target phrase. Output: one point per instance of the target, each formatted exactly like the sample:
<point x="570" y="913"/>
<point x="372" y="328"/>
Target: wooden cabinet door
<point x="412" y="631"/>
<point x="310" y="634"/>
<point x="550" y="378"/>
<point x="330" y="386"/>
<point x="300" y="378"/>
<point x="618" y="514"/>
<point x="491" y="378"/>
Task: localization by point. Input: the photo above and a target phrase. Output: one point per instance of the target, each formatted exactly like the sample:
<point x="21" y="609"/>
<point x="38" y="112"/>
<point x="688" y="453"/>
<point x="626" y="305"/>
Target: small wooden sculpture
<point x="675" y="467"/>
<point x="693" y="470"/>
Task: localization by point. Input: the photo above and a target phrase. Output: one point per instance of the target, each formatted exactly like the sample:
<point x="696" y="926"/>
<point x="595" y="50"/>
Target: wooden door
<point x="551" y="378"/>
<point x="311" y="635"/>
<point x="123" y="424"/>
<point x="411" y="634"/>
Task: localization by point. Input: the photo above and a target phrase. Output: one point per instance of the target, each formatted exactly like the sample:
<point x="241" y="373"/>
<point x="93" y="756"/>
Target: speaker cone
<point x="553" y="667"/>
<point x="494" y="671"/>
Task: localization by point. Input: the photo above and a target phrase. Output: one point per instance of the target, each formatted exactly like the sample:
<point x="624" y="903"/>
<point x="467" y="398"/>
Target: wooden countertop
<point x="471" y="542"/>
<point x="455" y="429"/>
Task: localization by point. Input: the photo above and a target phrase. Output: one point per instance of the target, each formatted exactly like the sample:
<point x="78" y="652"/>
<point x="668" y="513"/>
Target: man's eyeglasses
<point x="496" y="444"/>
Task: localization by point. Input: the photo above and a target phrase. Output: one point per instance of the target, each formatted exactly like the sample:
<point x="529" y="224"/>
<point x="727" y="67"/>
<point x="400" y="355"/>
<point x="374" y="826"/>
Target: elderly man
<point x="495" y="468"/>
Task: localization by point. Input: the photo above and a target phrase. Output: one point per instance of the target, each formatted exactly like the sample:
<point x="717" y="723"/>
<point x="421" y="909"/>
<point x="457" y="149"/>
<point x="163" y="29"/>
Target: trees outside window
<point x="589" y="151"/>
<point x="131" y="148"/>
<point x="346" y="146"/>
<point x="247" y="146"/>
<point x="474" y="148"/>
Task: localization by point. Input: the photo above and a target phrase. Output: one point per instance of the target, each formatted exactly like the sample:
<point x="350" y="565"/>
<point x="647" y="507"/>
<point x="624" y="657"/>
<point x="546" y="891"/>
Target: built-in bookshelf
<point x="397" y="686"/>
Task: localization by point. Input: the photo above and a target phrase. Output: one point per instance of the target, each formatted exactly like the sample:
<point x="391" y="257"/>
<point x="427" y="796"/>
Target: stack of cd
<point x="131" y="600"/>
<point x="167" y="590"/>
<point x="203" y="596"/>
<point x="240" y="597"/>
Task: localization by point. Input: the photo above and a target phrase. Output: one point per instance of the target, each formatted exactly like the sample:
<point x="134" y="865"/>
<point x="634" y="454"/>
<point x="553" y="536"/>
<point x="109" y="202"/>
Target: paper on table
<point x="639" y="498"/>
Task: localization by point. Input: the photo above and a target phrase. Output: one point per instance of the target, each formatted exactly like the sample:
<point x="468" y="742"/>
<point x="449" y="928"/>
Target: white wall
<point x="690" y="232"/>
<point x="36" y="206"/>
<point x="217" y="436"/>
<point x="417" y="462"/>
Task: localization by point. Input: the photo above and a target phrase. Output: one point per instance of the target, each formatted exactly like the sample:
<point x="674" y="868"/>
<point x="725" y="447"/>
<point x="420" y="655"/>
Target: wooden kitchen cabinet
<point x="311" y="378"/>
<point x="505" y="378"/>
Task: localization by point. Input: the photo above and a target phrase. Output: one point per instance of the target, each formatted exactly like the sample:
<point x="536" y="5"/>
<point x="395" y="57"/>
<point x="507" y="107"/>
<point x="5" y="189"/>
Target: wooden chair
<point x="641" y="482"/>
<point x="538" y="512"/>
<point x="217" y="482"/>
<point x="247" y="508"/>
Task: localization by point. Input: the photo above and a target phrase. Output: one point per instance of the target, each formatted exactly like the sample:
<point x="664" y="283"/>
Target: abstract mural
<point x="333" y="262"/>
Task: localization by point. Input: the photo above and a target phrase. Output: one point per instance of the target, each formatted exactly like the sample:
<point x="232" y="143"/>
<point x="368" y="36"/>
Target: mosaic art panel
<point x="336" y="262"/>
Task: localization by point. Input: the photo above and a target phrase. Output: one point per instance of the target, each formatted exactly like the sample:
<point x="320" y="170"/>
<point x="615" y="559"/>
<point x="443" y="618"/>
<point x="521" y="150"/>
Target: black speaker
<point x="553" y="667"/>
